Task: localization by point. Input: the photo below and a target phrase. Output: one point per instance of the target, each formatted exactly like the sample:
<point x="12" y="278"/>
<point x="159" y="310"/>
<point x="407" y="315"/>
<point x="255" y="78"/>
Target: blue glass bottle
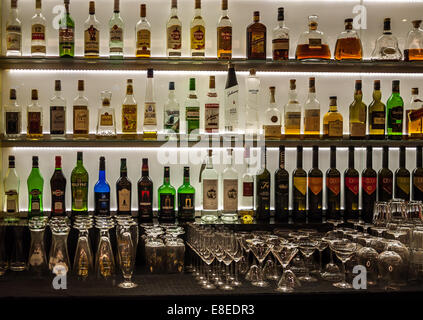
<point x="102" y="191"/>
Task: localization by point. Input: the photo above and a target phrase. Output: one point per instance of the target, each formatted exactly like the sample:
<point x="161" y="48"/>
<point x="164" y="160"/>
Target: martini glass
<point x="307" y="247"/>
<point x="260" y="250"/>
<point x="344" y="250"/>
<point x="284" y="253"/>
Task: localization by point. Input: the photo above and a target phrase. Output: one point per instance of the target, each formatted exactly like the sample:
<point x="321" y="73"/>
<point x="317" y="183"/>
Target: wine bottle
<point x="315" y="189"/>
<point x="166" y="198"/>
<point x="299" y="190"/>
<point x="145" y="194"/>
<point x="402" y="178"/>
<point x="123" y="190"/>
<point x="368" y="188"/>
<point x="58" y="190"/>
<point x="281" y="189"/>
<point x="186" y="199"/>
<point x="385" y="178"/>
<point x="351" y="186"/>
<point x="102" y="191"/>
<point x="418" y="176"/>
<point x="333" y="189"/>
<point x="263" y="190"/>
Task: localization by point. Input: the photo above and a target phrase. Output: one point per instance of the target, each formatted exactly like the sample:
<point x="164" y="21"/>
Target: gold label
<point x="272" y="131"/>
<point x="211" y="117"/>
<point x="80" y="118"/>
<point x="300" y="183"/>
<point x="404" y="184"/>
<point x="292" y="120"/>
<point x="335" y="128"/>
<point x="92" y="40"/>
<point x="174" y="37"/>
<point x="106" y="120"/>
<point x="198" y="38"/>
<point x="124" y="200"/>
<point x="315" y="43"/>
<point x="312" y="120"/>
<point x="210" y="190"/>
<point x="257" y="42"/>
<point x="129" y="118"/>
<point x="224" y="38"/>
<point x="280" y="44"/>
<point x="150" y="114"/>
<point x="230" y="194"/>
<point x="143" y="42"/>
<point x="315" y="184"/>
<point x="357" y="129"/>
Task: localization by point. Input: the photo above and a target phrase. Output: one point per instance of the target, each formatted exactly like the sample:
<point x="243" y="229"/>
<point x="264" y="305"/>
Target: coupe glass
<point x="344" y="250"/>
<point x="260" y="249"/>
<point x="284" y="253"/>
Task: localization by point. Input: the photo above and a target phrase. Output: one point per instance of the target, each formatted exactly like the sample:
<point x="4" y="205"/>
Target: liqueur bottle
<point x="35" y="184"/>
<point x="414" y="44"/>
<point x="292" y="112"/>
<point x="312" y="112"/>
<point x="358" y="114"/>
<point x="58" y="190"/>
<point x="231" y="94"/>
<point x="166" y="198"/>
<point x="79" y="187"/>
<point x="402" y="178"/>
<point x="145" y="193"/>
<point x="315" y="189"/>
<point x="333" y="189"/>
<point x="13" y="31"/>
<point x="174" y="32"/>
<point x="385" y="178"/>
<point x="210" y="191"/>
<point x="263" y="188"/>
<point x="417" y="180"/>
<point x="246" y="211"/>
<point x="252" y="83"/>
<point x="386" y="46"/>
<point x="123" y="190"/>
<point x="280" y="41"/>
<point x="281" y="189"/>
<point x="395" y="112"/>
<point x="102" y="192"/>
<point x="186" y="199"/>
<point x="351" y="186"/>
<point x="414" y="115"/>
<point x="66" y="34"/>
<point x="12" y="117"/>
<point x="116" y="33"/>
<point x="81" y="114"/>
<point x="368" y="188"/>
<point x="171" y="112"/>
<point x="224" y="34"/>
<point x="129" y="112"/>
<point x="256" y="39"/>
<point x="348" y="45"/>
<point x="57" y="113"/>
<point x="38" y="32"/>
<point x="211" y="108"/>
<point x="299" y="190"/>
<point x="230" y="191"/>
<point x="272" y="118"/>
<point x="192" y="110"/>
<point x="11" y="192"/>
<point x="106" y="125"/>
<point x="312" y="44"/>
<point x="150" y="115"/>
<point x="377" y="114"/>
<point x="333" y="122"/>
<point x="92" y="34"/>
<point x="34" y="118"/>
<point x="198" y="32"/>
<point x="143" y="35"/>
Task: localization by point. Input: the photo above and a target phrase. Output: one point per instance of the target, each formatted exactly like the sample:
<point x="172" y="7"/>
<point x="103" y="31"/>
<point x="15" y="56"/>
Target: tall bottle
<point x="224" y="34"/>
<point x="210" y="191"/>
<point x="174" y="32"/>
<point x="402" y="178"/>
<point x="292" y="112"/>
<point x="116" y="33"/>
<point x="129" y="111"/>
<point x="230" y="190"/>
<point x="92" y="34"/>
<point x="256" y="39"/>
<point x="333" y="125"/>
<point x="186" y="199"/>
<point x="81" y="114"/>
<point x="58" y="190"/>
<point x="102" y="192"/>
<point x="377" y="114"/>
<point x="171" y="112"/>
<point x="34" y="118"/>
<point x="414" y="115"/>
<point x="145" y="194"/>
<point x="12" y="119"/>
<point x="192" y="110"/>
<point x="299" y="190"/>
<point x="417" y="180"/>
<point x="280" y="41"/>
<point x="315" y="189"/>
<point x="351" y="189"/>
<point x="368" y="188"/>
<point x="281" y="189"/>
<point x="252" y="84"/>
<point x="143" y="35"/>
<point x="13" y="31"/>
<point x="272" y="119"/>
<point x="385" y="178"/>
<point x="11" y="192"/>
<point x="246" y="210"/>
<point x="395" y="112"/>
<point x="38" y="32"/>
<point x="333" y="189"/>
<point x="263" y="188"/>
<point x="167" y="198"/>
<point x="312" y="112"/>
<point x="198" y="32"/>
<point x="211" y="108"/>
<point x="150" y="115"/>
<point x="57" y="112"/>
<point x="123" y="190"/>
<point x="35" y="184"/>
<point x="79" y="187"/>
<point x="66" y="34"/>
<point x="358" y="114"/>
<point x="231" y="101"/>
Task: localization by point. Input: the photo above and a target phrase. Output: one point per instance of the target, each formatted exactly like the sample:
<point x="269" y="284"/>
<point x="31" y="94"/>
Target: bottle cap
<point x="256" y="15"/>
<point x="37" y="4"/>
<point x="14" y="4"/>
<point x="358" y="85"/>
<point x="252" y="72"/>
<point x="57" y="85"/>
<point x="292" y="84"/>
<point x="79" y="156"/>
<point x="92" y="7"/>
<point x="192" y="84"/>
<point x="58" y="160"/>
<point x="143" y="11"/>
<point x="80" y="85"/>
<point x="376" y="85"/>
<point x="414" y="91"/>
<point x="102" y="163"/>
<point x="34" y="94"/>
<point x="116" y="6"/>
<point x="150" y="73"/>
<point x="387" y="24"/>
<point x="281" y="14"/>
<point x="197" y="4"/>
<point x="174" y="3"/>
<point x="11" y="158"/>
<point x="224" y="4"/>
<point x="416" y="23"/>
<point x="12" y="94"/>
<point x="171" y="85"/>
<point x="35" y="161"/>
<point x="212" y="82"/>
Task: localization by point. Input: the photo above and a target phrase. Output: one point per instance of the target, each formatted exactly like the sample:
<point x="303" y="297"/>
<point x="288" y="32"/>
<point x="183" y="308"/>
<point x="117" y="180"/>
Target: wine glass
<point x="380" y="217"/>
<point x="331" y="271"/>
<point x="284" y="253"/>
<point x="344" y="250"/>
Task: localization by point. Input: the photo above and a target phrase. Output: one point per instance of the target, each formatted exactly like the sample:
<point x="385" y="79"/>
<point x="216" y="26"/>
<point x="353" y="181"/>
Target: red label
<point x="352" y="184"/>
<point x="247" y="189"/>
<point x="369" y="185"/>
<point x="334" y="185"/>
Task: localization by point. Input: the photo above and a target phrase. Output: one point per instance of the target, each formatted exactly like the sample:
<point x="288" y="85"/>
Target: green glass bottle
<point x="186" y="198"/>
<point x="66" y="34"/>
<point x="192" y="109"/>
<point x="166" y="198"/>
<point x="79" y="185"/>
<point x="35" y="190"/>
<point x="395" y="112"/>
<point x="358" y="114"/>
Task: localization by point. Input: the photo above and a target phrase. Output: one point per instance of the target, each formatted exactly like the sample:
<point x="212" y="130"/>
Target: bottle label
<point x="192" y="114"/>
<point x="312" y="120"/>
<point x="224" y="41"/>
<point x="102" y="203"/>
<point x="66" y="35"/>
<point x="186" y="204"/>
<point x="198" y="39"/>
<point x="352" y="184"/>
<point x="124" y="201"/>
<point x="129" y="118"/>
<point x="145" y="206"/>
<point x="396" y="115"/>
<point x="258" y="40"/>
<point x="418" y="183"/>
<point x="335" y="128"/>
<point x="79" y="193"/>
<point x="230" y="194"/>
<point x="404" y="184"/>
<point x="92" y="41"/>
<point x="57" y="120"/>
<point x="12" y="122"/>
<point x="11" y="201"/>
<point x="106" y="120"/>
<point x="272" y="131"/>
<point x="263" y="193"/>
<point x="167" y="204"/>
<point x="174" y="38"/>
<point x="315" y="184"/>
<point x="357" y="129"/>
<point x="116" y="35"/>
<point x="210" y="190"/>
<point x="13" y="34"/>
<point x="292" y="121"/>
<point x="35" y="200"/>
<point x="143" y="42"/>
<point x="387" y="185"/>
<point x="150" y="114"/>
<point x="211" y="111"/>
<point x="314" y="43"/>
<point x="280" y="44"/>
<point x="80" y="119"/>
<point x="38" y="32"/>
<point x="58" y="201"/>
<point x="334" y="184"/>
<point x="34" y="123"/>
<point x="231" y="105"/>
<point x="369" y="185"/>
<point x="172" y="120"/>
<point x="377" y="120"/>
<point x="300" y="183"/>
<point x="247" y="189"/>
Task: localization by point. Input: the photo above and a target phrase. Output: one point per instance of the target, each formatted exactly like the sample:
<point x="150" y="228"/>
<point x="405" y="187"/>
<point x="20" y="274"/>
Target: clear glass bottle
<point x="143" y="35"/>
<point x="11" y="192"/>
<point x="246" y="210"/>
<point x="231" y="101"/>
<point x="211" y="108"/>
<point x="386" y="46"/>
<point x="129" y="111"/>
<point x="13" y="31"/>
<point x="229" y="181"/>
<point x="38" y="32"/>
<point x="224" y="34"/>
<point x="272" y="118"/>
<point x="57" y="113"/>
<point x="192" y="111"/>
<point x="150" y="115"/>
<point x="12" y="117"/>
<point x="312" y="112"/>
<point x="81" y="114"/>
<point x="174" y="32"/>
<point x="252" y="84"/>
<point x="116" y="33"/>
<point x="292" y="112"/>
<point x="348" y="45"/>
<point x="106" y="126"/>
<point x="171" y="112"/>
<point x="198" y="32"/>
<point x="333" y="123"/>
<point x="92" y="34"/>
<point x="358" y="114"/>
<point x="34" y="118"/>
<point x="414" y="44"/>
<point x="414" y="115"/>
<point x="210" y="191"/>
<point x="280" y="41"/>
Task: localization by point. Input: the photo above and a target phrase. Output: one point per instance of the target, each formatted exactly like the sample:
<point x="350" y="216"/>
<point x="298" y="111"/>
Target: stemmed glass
<point x="322" y="244"/>
<point x="225" y="243"/>
<point x="380" y="217"/>
<point x="236" y="254"/>
<point x="126" y="253"/>
<point x="307" y="247"/>
<point x="208" y="257"/>
<point x="344" y="250"/>
<point x="284" y="253"/>
<point x="260" y="250"/>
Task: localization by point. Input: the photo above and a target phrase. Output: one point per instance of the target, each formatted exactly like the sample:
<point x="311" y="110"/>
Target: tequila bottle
<point x="66" y="34"/>
<point x="198" y="32"/>
<point x="35" y="184"/>
<point x="143" y="35"/>
<point x="38" y="32"/>
<point x="224" y="34"/>
<point x="129" y="112"/>
<point x="106" y="126"/>
<point x="12" y="117"/>
<point x="57" y="113"/>
<point x="79" y="187"/>
<point x="92" y="34"/>
<point x="272" y="118"/>
<point x="231" y="101"/>
<point x="81" y="114"/>
<point x="116" y="35"/>
<point x="171" y="112"/>
<point x="11" y="192"/>
<point x="150" y="115"/>
<point x="211" y="108"/>
<point x="34" y="118"/>
<point x="312" y="112"/>
<point x="13" y="31"/>
<point x="174" y="32"/>
<point x="252" y="84"/>
<point x="229" y="188"/>
<point x="292" y="112"/>
<point x="210" y="191"/>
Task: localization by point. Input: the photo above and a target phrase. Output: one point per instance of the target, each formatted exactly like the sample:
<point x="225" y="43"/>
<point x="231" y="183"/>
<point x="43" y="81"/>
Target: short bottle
<point x="102" y="191"/>
<point x="377" y="114"/>
<point x="143" y="35"/>
<point x="81" y="114"/>
<point x="34" y="118"/>
<point x="11" y="192"/>
<point x="92" y="34"/>
<point x="333" y="124"/>
<point x="386" y="46"/>
<point x="292" y="112"/>
<point x="211" y="108"/>
<point x="256" y="39"/>
<point x="66" y="34"/>
<point x="272" y="119"/>
<point x="358" y="114"/>
<point x="38" y="32"/>
<point x="167" y="199"/>
<point x="13" y="31"/>
<point x="12" y="117"/>
<point x="171" y="123"/>
<point x="312" y="44"/>
<point x="198" y="33"/>
<point x="129" y="112"/>
<point x="106" y="125"/>
<point x="58" y="189"/>
<point x="414" y="44"/>
<point x="280" y="41"/>
<point x="57" y="113"/>
<point x="123" y="191"/>
<point x="35" y="184"/>
<point x="79" y="187"/>
<point x="186" y="199"/>
<point x="395" y="112"/>
<point x="312" y="112"/>
<point x="116" y="33"/>
<point x="224" y="34"/>
<point x="348" y="45"/>
<point x="145" y="194"/>
<point x="174" y="32"/>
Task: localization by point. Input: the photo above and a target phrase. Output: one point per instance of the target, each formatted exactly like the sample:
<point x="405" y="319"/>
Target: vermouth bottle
<point x="58" y="190"/>
<point x="224" y="34"/>
<point x="171" y="112"/>
<point x="174" y="32"/>
<point x="102" y="191"/>
<point x="333" y="189"/>
<point x="281" y="189"/>
<point x="315" y="189"/>
<point x="210" y="191"/>
<point x="57" y="113"/>
<point x="11" y="192"/>
<point x="38" y="32"/>
<point x="167" y="198"/>
<point x="79" y="187"/>
<point x="13" y="31"/>
<point x="402" y="178"/>
<point x="35" y="184"/>
<point x="92" y="34"/>
<point x="418" y="176"/>
<point x="186" y="199"/>
<point x="150" y="115"/>
<point x="12" y="117"/>
<point x="263" y="188"/>
<point x="351" y="186"/>
<point x="395" y="112"/>
<point x="230" y="191"/>
<point x="231" y="101"/>
<point x="299" y="190"/>
<point x="368" y="188"/>
<point x="377" y="114"/>
<point x="116" y="33"/>
<point x="385" y="178"/>
<point x="145" y="194"/>
<point x="123" y="190"/>
<point x="66" y="34"/>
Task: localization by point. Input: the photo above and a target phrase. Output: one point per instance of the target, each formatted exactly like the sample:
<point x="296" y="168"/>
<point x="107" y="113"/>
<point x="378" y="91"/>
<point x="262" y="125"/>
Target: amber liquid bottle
<point x="348" y="45"/>
<point x="368" y="188"/>
<point x="315" y="189"/>
<point x="256" y="39"/>
<point x="299" y="190"/>
<point x="351" y="189"/>
<point x="402" y="179"/>
<point x="385" y="178"/>
<point x="333" y="189"/>
<point x="418" y="177"/>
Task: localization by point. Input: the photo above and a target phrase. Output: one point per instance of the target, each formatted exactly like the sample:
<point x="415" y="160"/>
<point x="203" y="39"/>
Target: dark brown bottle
<point x="351" y="189"/>
<point x="58" y="190"/>
<point x="256" y="39"/>
<point x="299" y="190"/>
<point x="315" y="189"/>
<point x="402" y="179"/>
<point x="123" y="191"/>
<point x="263" y="187"/>
<point x="145" y="194"/>
<point x="385" y="178"/>
<point x="368" y="188"/>
<point x="281" y="189"/>
<point x="333" y="189"/>
<point x="418" y="177"/>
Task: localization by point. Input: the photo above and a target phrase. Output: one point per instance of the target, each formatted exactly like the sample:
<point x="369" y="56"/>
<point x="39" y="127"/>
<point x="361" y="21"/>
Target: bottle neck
<point x="292" y="95"/>
<point x="282" y="159"/>
<point x="225" y="13"/>
<point x="419" y="157"/>
<point x="402" y="158"/>
<point x="174" y="12"/>
<point x="377" y="95"/>
<point x="149" y="91"/>
<point x="281" y="24"/>
<point x="102" y="175"/>
<point x="333" y="159"/>
<point x="209" y="163"/>
<point x="351" y="159"/>
<point x="369" y="159"/>
<point x="186" y="179"/>
<point x="197" y="12"/>
<point x="358" y="95"/>
<point x="385" y="159"/>
<point x="299" y="159"/>
<point x="315" y="159"/>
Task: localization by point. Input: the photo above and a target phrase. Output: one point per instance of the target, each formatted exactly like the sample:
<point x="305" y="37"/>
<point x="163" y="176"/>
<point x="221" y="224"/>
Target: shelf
<point x="206" y="64"/>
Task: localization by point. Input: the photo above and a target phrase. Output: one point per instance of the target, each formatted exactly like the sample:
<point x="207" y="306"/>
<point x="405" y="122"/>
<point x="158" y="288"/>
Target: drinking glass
<point x="390" y="266"/>
<point x="344" y="250"/>
<point x="227" y="258"/>
<point x="83" y="261"/>
<point x="404" y="253"/>
<point x="104" y="260"/>
<point x="331" y="271"/>
<point x="260" y="249"/>
<point x="307" y="247"/>
<point x="126" y="252"/>
<point x="380" y="217"/>
<point x="368" y="257"/>
<point x="37" y="258"/>
<point x="59" y="258"/>
<point x="284" y="253"/>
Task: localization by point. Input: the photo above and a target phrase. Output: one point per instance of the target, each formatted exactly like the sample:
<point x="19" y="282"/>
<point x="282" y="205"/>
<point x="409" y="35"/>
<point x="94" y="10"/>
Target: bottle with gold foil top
<point x="92" y="34"/>
<point x="198" y="33"/>
<point x="377" y="114"/>
<point x="348" y="45"/>
<point x="358" y="114"/>
<point x="150" y="114"/>
<point x="174" y="32"/>
<point x="414" y="45"/>
<point x="312" y="112"/>
<point x="38" y="32"/>
<point x="34" y="118"/>
<point x="256" y="39"/>
<point x="292" y="112"/>
<point x="224" y="34"/>
<point x="143" y="35"/>
<point x="13" y="31"/>
<point x="280" y="41"/>
<point x="116" y="33"/>
<point x="81" y="114"/>
<point x="211" y="108"/>
<point x="333" y="124"/>
<point x="414" y="116"/>
<point x="272" y="119"/>
<point x="106" y="126"/>
<point x="129" y="111"/>
<point x="312" y="44"/>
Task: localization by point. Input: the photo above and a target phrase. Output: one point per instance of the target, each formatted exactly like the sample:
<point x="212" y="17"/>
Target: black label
<point x="102" y="203"/>
<point x="377" y="119"/>
<point x="12" y="123"/>
<point x="396" y="118"/>
<point x="167" y="206"/>
<point x="186" y="205"/>
<point x="145" y="202"/>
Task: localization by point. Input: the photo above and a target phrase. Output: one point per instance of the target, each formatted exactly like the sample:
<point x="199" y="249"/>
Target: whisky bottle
<point x="57" y="113"/>
<point x="256" y="39"/>
<point x="171" y="112"/>
<point x="145" y="193"/>
<point x="13" y="31"/>
<point x="143" y="35"/>
<point x="186" y="199"/>
<point x="166" y="198"/>
<point x="11" y="192"/>
<point x="92" y="34"/>
<point x="377" y="114"/>
<point x="299" y="190"/>
<point x="332" y="121"/>
<point x="315" y="189"/>
<point x="348" y="45"/>
<point x="246" y="210"/>
<point x="66" y="34"/>
<point x="35" y="184"/>
<point x="280" y="41"/>
<point x="385" y="178"/>
<point x="312" y="112"/>
<point x="395" y="112"/>
<point x="386" y="46"/>
<point x="417" y="180"/>
<point x="252" y="83"/>
<point x="368" y="188"/>
<point x="414" y="115"/>
<point x="272" y="119"/>
<point x="150" y="115"/>
<point x="123" y="190"/>
<point x="81" y="114"/>
<point x="224" y="34"/>
<point x="231" y="101"/>
<point x="281" y="189"/>
<point x="292" y="112"/>
<point x="414" y="44"/>
<point x="210" y="191"/>
<point x="174" y="32"/>
<point x="38" y="32"/>
<point x="402" y="178"/>
<point x="116" y="33"/>
<point x="106" y="124"/>
<point x="211" y="108"/>
<point x="230" y="191"/>
<point x="12" y="117"/>
<point x="192" y="110"/>
<point x="263" y="187"/>
<point x="79" y="187"/>
<point x="333" y="189"/>
<point x="58" y="190"/>
<point x="351" y="186"/>
<point x="102" y="191"/>
<point x="312" y="44"/>
<point x="198" y="32"/>
<point x="129" y="112"/>
<point x="358" y="114"/>
<point x="34" y="118"/>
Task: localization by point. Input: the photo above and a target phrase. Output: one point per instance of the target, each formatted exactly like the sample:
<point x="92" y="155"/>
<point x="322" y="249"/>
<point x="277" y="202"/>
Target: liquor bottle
<point x="272" y="119"/>
<point x="280" y="41"/>
<point x="402" y="178"/>
<point x="166" y="198"/>
<point x="333" y="126"/>
<point x="171" y="112"/>
<point x="385" y="178"/>
<point x="129" y="111"/>
<point x="386" y="46"/>
<point x="116" y="33"/>
<point x="38" y="32"/>
<point x="299" y="190"/>
<point x="92" y="34"/>
<point x="351" y="187"/>
<point x="358" y="114"/>
<point x="145" y="193"/>
<point x="414" y="115"/>
<point x="256" y="39"/>
<point x="34" y="118"/>
<point x="106" y="125"/>
<point x="368" y="188"/>
<point x="252" y="83"/>
<point x="211" y="108"/>
<point x="263" y="188"/>
<point x="348" y="45"/>
<point x="79" y="187"/>
<point x="333" y="189"/>
<point x="143" y="35"/>
<point x="418" y="176"/>
<point x="11" y="192"/>
<point x="230" y="190"/>
<point x="395" y="112"/>
<point x="224" y="34"/>
<point x="246" y="210"/>
<point x="281" y="189"/>
<point x="186" y="199"/>
<point x="66" y="34"/>
<point x="81" y="114"/>
<point x="292" y="112"/>
<point x="12" y="117"/>
<point x="414" y="44"/>
<point x="198" y="32"/>
<point x="312" y="112"/>
<point x="231" y="100"/>
<point x="102" y="192"/>
<point x="315" y="189"/>
<point x="377" y="114"/>
<point x="150" y="115"/>
<point x="123" y="190"/>
<point x="312" y="44"/>
<point x="57" y="112"/>
<point x="192" y="110"/>
<point x="58" y="190"/>
<point x="13" y="31"/>
<point x="174" y="32"/>
<point x="35" y="184"/>
<point x="210" y="190"/>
